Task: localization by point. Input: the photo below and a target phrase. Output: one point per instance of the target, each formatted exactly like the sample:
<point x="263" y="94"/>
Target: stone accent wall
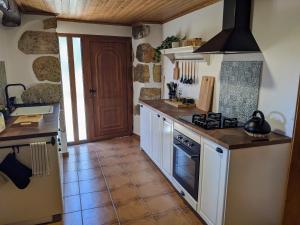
<point x="150" y="94"/>
<point x="140" y="31"/>
<point x="44" y="67"/>
<point x="38" y="42"/>
<point x="50" y="23"/>
<point x="47" y="68"/>
<point x="146" y="72"/>
<point x="157" y="73"/>
<point x="42" y="93"/>
<point x="141" y="73"/>
<point x="145" y="53"/>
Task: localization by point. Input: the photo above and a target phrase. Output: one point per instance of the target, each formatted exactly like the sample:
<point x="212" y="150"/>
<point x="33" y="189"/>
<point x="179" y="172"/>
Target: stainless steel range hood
<point x="236" y="36"/>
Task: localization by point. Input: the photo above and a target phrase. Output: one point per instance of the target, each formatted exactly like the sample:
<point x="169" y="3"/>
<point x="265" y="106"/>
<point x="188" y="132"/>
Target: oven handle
<point x="185" y="152"/>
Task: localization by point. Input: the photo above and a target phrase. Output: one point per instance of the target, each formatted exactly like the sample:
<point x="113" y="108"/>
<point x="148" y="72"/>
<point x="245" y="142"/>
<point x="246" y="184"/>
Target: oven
<point x="186" y="163"/>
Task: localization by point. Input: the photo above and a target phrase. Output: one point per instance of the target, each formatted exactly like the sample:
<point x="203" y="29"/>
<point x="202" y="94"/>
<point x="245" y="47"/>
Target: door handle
<point x="92" y="92"/>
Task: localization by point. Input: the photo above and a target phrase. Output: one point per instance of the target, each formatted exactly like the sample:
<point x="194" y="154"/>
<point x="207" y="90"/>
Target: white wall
<point x="19" y="65"/>
<point x="276" y="29"/>
<point x="93" y="29"/>
<point x="154" y="39"/>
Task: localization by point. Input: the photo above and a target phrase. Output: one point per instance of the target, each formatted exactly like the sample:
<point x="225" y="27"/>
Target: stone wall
<point x="42" y="45"/>
<point x="146" y="71"/>
<point x="32" y="54"/>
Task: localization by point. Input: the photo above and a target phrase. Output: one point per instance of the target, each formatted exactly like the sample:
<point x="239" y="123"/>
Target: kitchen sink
<point x="32" y="110"/>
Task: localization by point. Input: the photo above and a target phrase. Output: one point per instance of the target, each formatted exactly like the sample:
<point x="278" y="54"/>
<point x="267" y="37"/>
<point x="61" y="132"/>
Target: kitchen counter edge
<point x="48" y="126"/>
<point x="230" y="138"/>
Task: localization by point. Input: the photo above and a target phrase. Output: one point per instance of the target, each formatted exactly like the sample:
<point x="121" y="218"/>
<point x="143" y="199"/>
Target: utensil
<point x="257" y="126"/>
<point x="176" y="71"/>
<point x="186" y="72"/>
<point x="182" y="71"/>
<point x="194" y="81"/>
<point x="191" y="73"/>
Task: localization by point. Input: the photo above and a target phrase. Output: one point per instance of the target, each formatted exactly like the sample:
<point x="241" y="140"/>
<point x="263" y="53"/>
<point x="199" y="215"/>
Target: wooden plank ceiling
<point x="125" y="12"/>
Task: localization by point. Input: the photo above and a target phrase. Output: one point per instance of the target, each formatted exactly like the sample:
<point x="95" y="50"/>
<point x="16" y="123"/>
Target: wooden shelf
<point x="185" y="53"/>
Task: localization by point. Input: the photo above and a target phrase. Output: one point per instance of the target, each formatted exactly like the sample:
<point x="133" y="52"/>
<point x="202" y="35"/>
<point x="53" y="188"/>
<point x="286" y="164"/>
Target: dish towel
<point x="40" y="159"/>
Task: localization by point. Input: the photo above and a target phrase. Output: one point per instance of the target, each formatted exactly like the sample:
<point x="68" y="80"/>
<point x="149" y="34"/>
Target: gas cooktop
<point x="212" y="120"/>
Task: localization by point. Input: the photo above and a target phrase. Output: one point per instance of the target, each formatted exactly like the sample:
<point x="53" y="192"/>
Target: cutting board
<point x="28" y="120"/>
<point x="206" y="93"/>
<point x="178" y="104"/>
<point x="176" y="71"/>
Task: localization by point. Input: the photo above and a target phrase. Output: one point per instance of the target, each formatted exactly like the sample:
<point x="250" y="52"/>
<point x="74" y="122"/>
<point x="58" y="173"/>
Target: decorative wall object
<point x="50" y="23"/>
<point x="239" y="89"/>
<point x="140" y="31"/>
<point x="3" y="83"/>
<point x="145" y="53"/>
<point x="157" y="73"/>
<point x="150" y="93"/>
<point x="38" y="42"/>
<point x="47" y="68"/>
<point x="141" y="73"/>
<point x="42" y="93"/>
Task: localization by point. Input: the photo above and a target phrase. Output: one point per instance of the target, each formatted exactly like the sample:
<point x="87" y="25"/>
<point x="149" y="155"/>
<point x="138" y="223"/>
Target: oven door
<point x="186" y="168"/>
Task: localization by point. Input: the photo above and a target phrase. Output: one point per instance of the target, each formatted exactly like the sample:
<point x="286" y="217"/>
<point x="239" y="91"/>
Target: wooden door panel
<point x="109" y="74"/>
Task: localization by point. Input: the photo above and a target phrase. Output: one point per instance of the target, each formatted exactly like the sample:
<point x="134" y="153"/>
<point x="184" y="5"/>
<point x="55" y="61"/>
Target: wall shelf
<point x="185" y="53"/>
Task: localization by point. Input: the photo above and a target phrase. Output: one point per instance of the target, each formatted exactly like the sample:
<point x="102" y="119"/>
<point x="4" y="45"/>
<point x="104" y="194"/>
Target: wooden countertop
<point x="231" y="138"/>
<point x="48" y="126"/>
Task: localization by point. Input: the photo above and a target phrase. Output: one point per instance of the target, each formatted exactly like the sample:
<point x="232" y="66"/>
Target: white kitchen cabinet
<point x="156" y="136"/>
<point x="167" y="146"/>
<point x="213" y="174"/>
<point x="145" y="124"/>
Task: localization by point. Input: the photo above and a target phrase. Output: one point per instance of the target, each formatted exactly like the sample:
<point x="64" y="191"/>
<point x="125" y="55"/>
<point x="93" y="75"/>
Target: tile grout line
<point x="79" y="197"/>
<point x="106" y="183"/>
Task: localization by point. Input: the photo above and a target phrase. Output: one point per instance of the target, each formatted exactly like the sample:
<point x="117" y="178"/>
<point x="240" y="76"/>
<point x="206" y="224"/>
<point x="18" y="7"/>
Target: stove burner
<point x="198" y="118"/>
<point x="213" y="124"/>
<point x="214" y="116"/>
<point x="212" y="121"/>
<point x="230" y="122"/>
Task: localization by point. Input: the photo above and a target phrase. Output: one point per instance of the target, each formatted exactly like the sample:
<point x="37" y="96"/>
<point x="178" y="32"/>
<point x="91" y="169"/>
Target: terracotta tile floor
<point x="113" y="182"/>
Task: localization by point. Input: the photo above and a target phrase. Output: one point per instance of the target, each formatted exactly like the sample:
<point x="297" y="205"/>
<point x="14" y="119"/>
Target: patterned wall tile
<point x="239" y="90"/>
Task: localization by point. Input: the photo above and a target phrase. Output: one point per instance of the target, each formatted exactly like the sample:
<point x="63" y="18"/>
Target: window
<point x="73" y="88"/>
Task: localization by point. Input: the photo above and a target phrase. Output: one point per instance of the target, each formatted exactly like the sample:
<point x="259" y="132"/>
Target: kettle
<point x="257" y="126"/>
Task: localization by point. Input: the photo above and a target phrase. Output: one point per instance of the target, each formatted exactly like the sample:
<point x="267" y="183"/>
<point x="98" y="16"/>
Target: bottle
<point x="2" y="122"/>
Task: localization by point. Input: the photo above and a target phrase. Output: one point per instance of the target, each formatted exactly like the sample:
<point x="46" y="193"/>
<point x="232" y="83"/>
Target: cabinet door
<point x="213" y="181"/>
<point x="167" y="146"/>
<point x="156" y="137"/>
<point x="145" y="132"/>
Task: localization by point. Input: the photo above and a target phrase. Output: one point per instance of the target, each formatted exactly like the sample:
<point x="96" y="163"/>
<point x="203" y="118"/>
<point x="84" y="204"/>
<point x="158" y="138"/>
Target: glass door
<point x="73" y="88"/>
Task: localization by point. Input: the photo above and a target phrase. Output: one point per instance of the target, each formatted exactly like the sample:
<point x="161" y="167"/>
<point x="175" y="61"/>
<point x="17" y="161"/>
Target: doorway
<point x="97" y="86"/>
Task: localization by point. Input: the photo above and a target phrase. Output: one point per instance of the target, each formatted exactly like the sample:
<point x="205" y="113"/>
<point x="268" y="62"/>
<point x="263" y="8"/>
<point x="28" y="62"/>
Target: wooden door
<point x="108" y="86"/>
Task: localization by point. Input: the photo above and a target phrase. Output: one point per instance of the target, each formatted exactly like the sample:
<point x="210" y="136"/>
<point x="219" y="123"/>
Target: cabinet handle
<point x="219" y="150"/>
<point x="164" y="119"/>
<point x="182" y="193"/>
<point x="141" y="106"/>
<point x="158" y="115"/>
